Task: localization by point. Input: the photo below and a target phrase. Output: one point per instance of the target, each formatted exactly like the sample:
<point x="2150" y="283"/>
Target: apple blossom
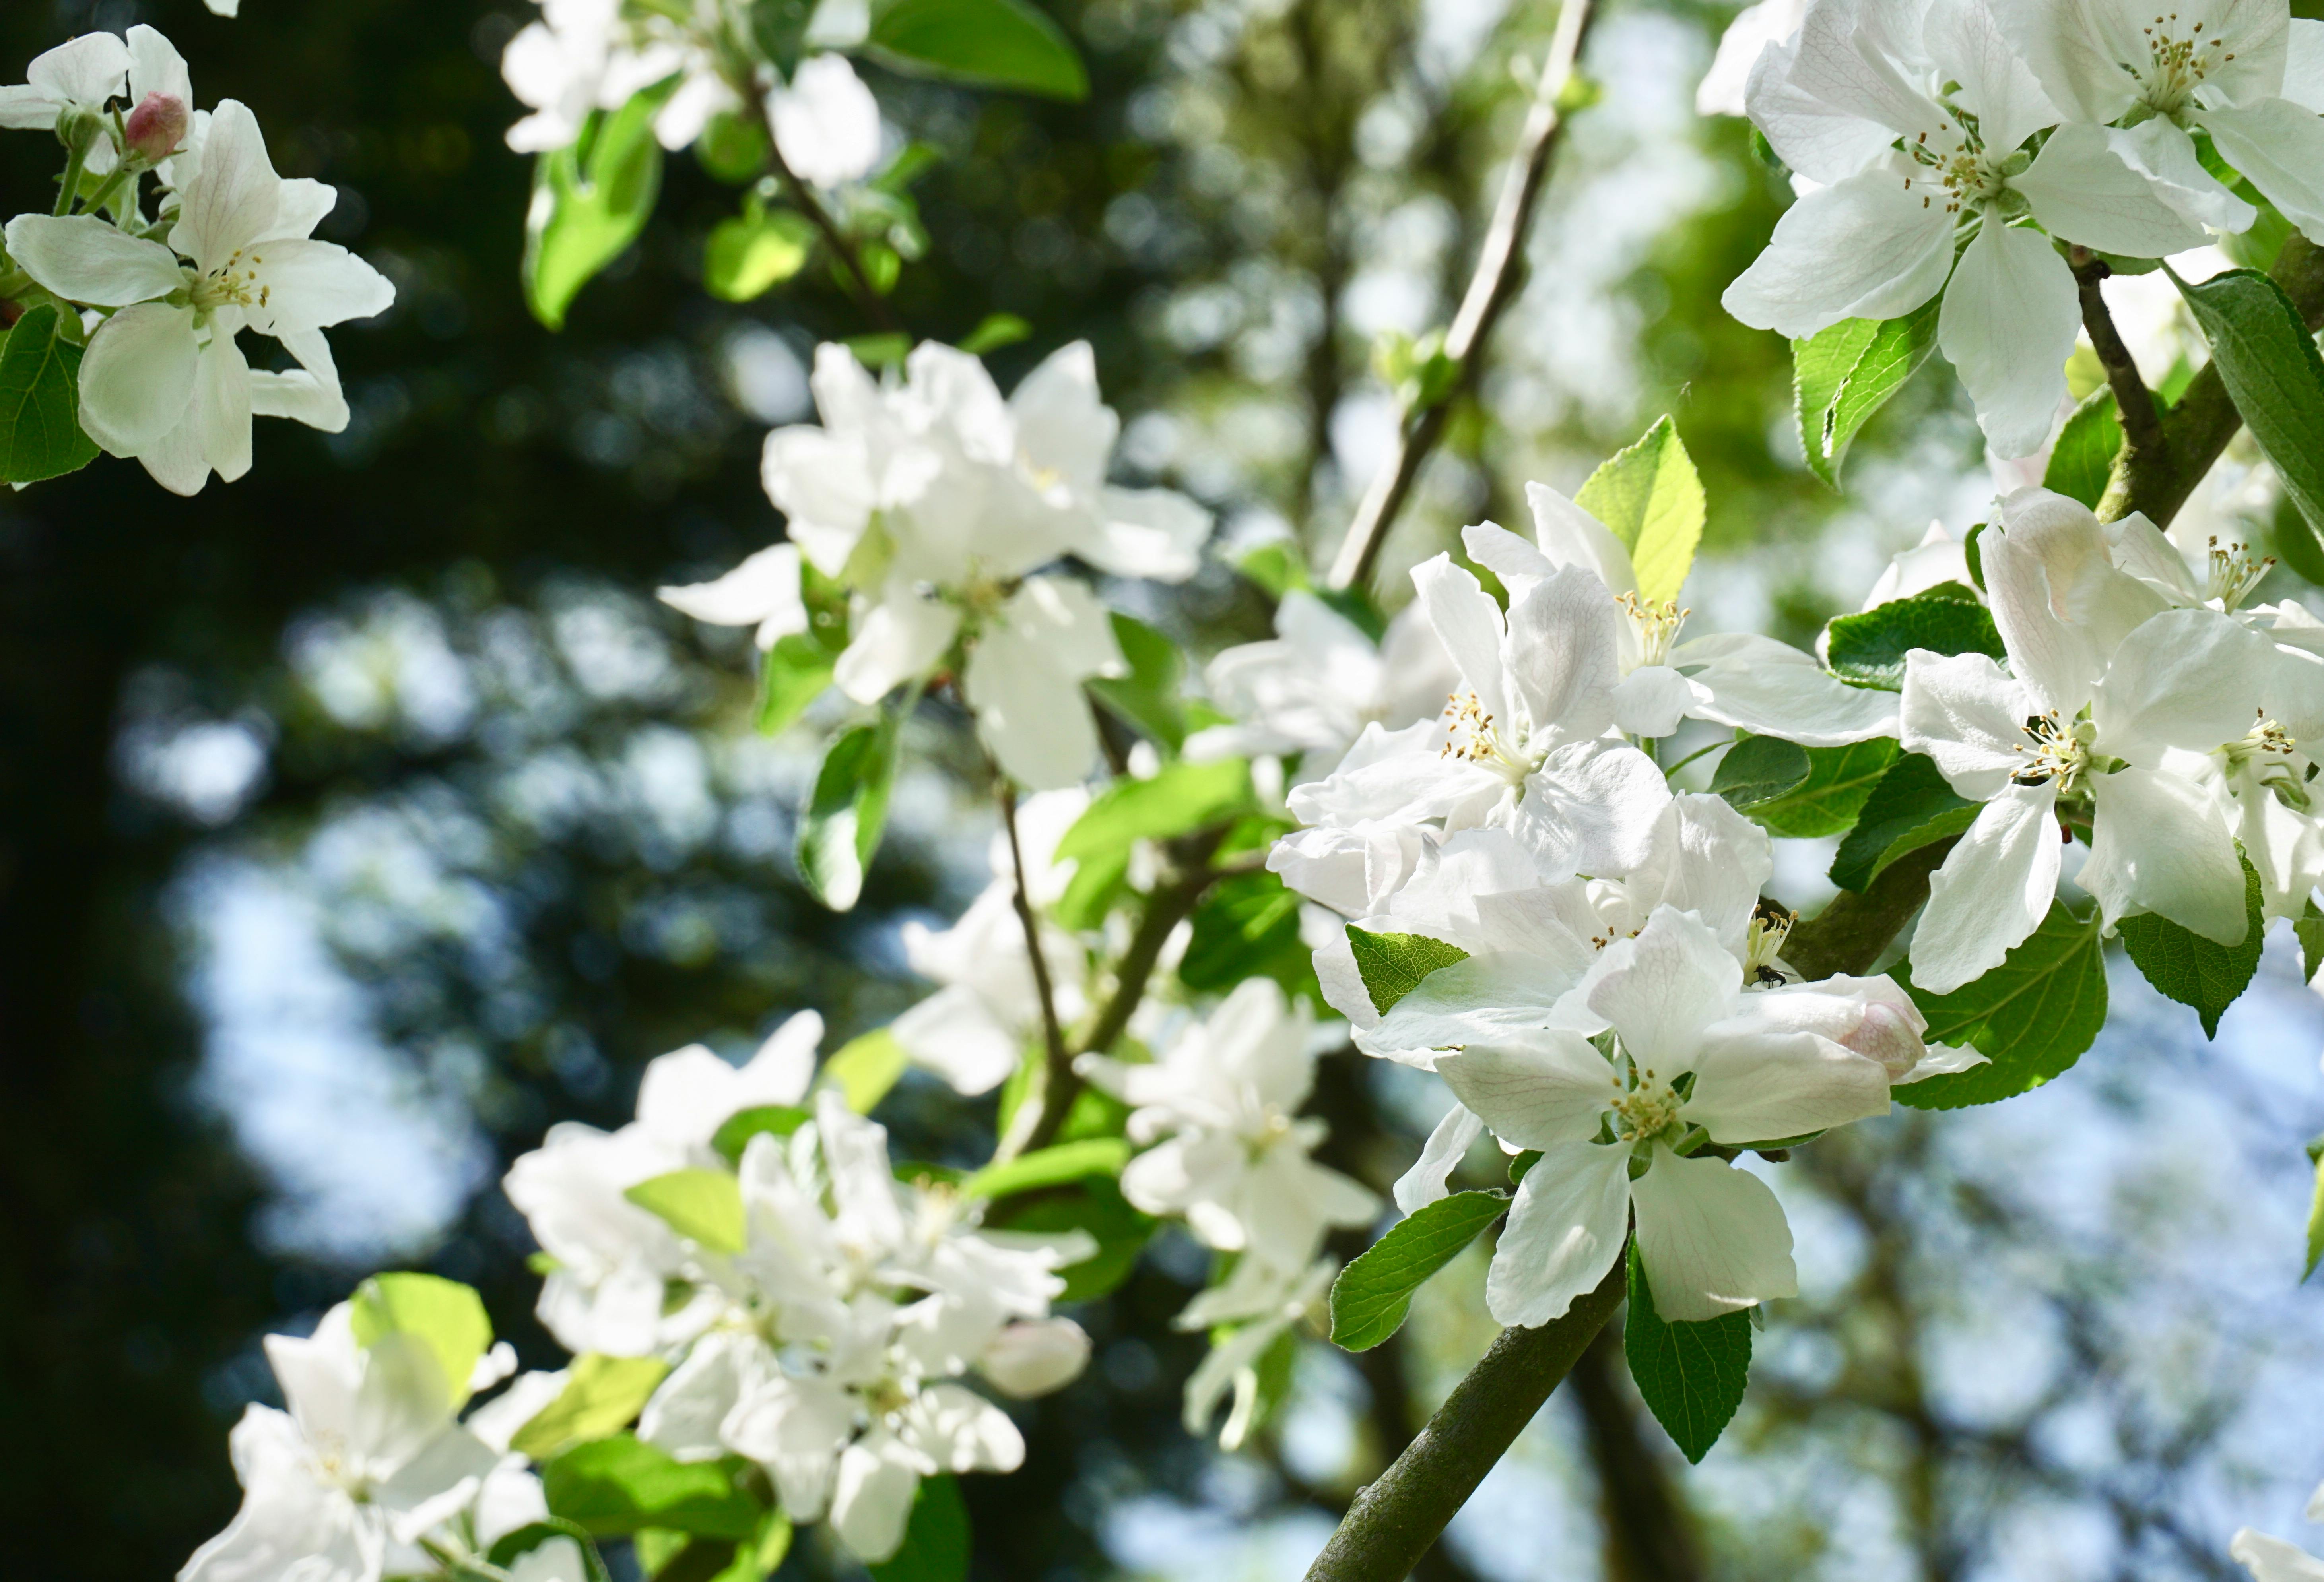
<point x="2270" y="1559"/>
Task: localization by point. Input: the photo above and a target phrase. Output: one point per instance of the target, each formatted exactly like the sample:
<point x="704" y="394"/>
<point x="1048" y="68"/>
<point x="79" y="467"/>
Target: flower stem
<point x="69" y="185"/>
<point x="1395" y="1519"/>
<point x="2133" y="401"/>
<point x="1492" y="288"/>
<point x="1059" y="1064"/>
<point x="2200" y="424"/>
<point x="853" y="275"/>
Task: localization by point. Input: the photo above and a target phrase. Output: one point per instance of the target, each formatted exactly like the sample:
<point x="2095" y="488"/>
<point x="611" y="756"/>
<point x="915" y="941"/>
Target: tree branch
<point x="2142" y="429"/>
<point x="1053" y="1031"/>
<point x="2198" y="427"/>
<point x="1395" y="1519"/>
<point x="1491" y="290"/>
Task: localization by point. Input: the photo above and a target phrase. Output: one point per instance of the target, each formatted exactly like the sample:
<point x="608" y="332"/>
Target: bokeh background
<point x="364" y="816"/>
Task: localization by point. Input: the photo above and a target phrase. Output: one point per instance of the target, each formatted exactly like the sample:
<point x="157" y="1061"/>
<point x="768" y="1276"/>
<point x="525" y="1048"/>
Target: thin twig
<point x="1053" y="1031"/>
<point x="2133" y="401"/>
<point x="2204" y="417"/>
<point x="858" y="281"/>
<point x="1492" y="288"/>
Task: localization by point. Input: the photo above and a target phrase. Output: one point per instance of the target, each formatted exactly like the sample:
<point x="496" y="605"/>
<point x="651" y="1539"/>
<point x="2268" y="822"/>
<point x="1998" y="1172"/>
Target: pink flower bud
<point x="157" y="126"/>
<point x="1891" y="1035"/>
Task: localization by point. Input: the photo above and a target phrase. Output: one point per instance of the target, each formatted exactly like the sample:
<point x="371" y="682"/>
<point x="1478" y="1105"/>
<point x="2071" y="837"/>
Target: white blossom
<point x="1231" y="1152"/>
<point x="1917" y="127"/>
<point x="2270" y="1559"/>
<point x="164" y="379"/>
<point x="1258" y="1306"/>
<point x="1755" y="29"/>
<point x="826" y="122"/>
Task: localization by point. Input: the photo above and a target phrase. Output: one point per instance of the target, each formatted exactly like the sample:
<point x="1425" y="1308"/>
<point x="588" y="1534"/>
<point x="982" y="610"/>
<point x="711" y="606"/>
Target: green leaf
<point x="1147" y="699"/>
<point x="513" y="1547"/>
<point x="735" y="1133"/>
<point x="2083" y="458"/>
<point x="732" y="148"/>
<point x="1048" y="1167"/>
<point x="791" y="676"/>
<point x="1896" y="352"/>
<point x="1912" y="807"/>
<point x="865" y="1068"/>
<point x="2309" y="929"/>
<point x="1247" y="927"/>
<point x="590" y="201"/>
<point x="839" y="829"/>
<point x="1277" y="567"/>
<point x="2194" y="971"/>
<point x="994" y="43"/>
<point x="1820" y="364"/>
<point x="445" y="1315"/>
<point x="2269" y="362"/>
<point x="936" y="1542"/>
<point x="601" y="1396"/>
<point x="751" y="253"/>
<point x="994" y="331"/>
<point x="1839" y="779"/>
<point x="2315" y="1216"/>
<point x="1182" y="798"/>
<point x="1650" y="498"/>
<point x="1094" y="1205"/>
<point x="1868" y="649"/>
<point x="1844" y="374"/>
<point x="1372" y="1296"/>
<point x="1090" y="893"/>
<point x="704" y="1205"/>
<point x="1760" y="768"/>
<point x="40" y="402"/>
<point x="2033" y="1015"/>
<point x="612" y="1487"/>
<point x="1393" y="964"/>
<point x="1691" y="1376"/>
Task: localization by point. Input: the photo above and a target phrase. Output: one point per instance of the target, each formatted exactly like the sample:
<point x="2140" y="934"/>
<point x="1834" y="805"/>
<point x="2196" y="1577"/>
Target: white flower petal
<point x="2161" y="150"/>
<point x="2270" y="1559"/>
<point x="902" y="637"/>
<point x="86" y="70"/>
<point x="2187" y="678"/>
<point x="2280" y="146"/>
<point x="137" y="380"/>
<point x="86" y="260"/>
<point x="1994" y="888"/>
<point x="2007" y="325"/>
<point x="1592" y="808"/>
<point x="234" y="198"/>
<point x="1155" y="533"/>
<point x="1771" y="688"/>
<point x="1566" y="1228"/>
<point x="1863" y="248"/>
<point x="1429" y="1179"/>
<point x="1712" y="1238"/>
<point x="1995" y="84"/>
<point x="1570" y="535"/>
<point x="762" y="592"/>
<point x="826" y="122"/>
<point x="873" y="1500"/>
<point x="2158" y="845"/>
<point x="1663" y="988"/>
<point x="2082" y="189"/>
<point x="313" y="285"/>
<point x="1549" y="1090"/>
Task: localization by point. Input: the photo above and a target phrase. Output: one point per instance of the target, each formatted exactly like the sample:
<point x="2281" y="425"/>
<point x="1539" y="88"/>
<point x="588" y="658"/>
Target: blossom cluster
<point x="163" y="295"/>
<point x="1941" y="145"/>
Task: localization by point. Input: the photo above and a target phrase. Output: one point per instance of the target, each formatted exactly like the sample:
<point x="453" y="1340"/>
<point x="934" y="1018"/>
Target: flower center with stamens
<point x="2234" y="574"/>
<point x="1657" y="622"/>
<point x="234" y="284"/>
<point x="1954" y="166"/>
<point x="1474" y="736"/>
<point x="1644" y="1107"/>
<point x="1763" y="939"/>
<point x="2055" y="751"/>
<point x="2175" y="66"/>
<point x="2267" y="750"/>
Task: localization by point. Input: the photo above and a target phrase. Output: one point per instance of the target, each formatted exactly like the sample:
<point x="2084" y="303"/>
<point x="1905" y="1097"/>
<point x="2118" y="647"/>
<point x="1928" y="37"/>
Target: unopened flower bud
<point x="1034" y="1357"/>
<point x="78" y="127"/>
<point x="1891" y="1035"/>
<point x="157" y="126"/>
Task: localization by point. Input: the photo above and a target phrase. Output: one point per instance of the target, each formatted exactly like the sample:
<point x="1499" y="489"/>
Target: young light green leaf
<point x="445" y="1315"/>
<point x="612" y="1488"/>
<point x="839" y="829"/>
<point x="603" y="1395"/>
<point x="995" y="43"/>
<point x="512" y="1547"/>
<point x="751" y="253"/>
<point x="1048" y="1167"/>
<point x="2032" y="1016"/>
<point x="792" y="675"/>
<point x="1393" y="964"/>
<point x="1372" y="1296"/>
<point x="1893" y="353"/>
<point x="1247" y="927"/>
<point x="1912" y="807"/>
<point x="1650" y="498"/>
<point x="2083" y="458"/>
<point x="865" y="1068"/>
<point x="1868" y="649"/>
<point x="1760" y="768"/>
<point x="1820" y="364"/>
<point x="2309" y="929"/>
<point x="935" y="1540"/>
<point x="1147" y="699"/>
<point x="40" y="402"/>
<point x="2315" y="1212"/>
<point x="1691" y="1376"/>
<point x="1839" y="779"/>
<point x="590" y="201"/>
<point x="1182" y="798"/>
<point x="704" y="1206"/>
<point x="2194" y="971"/>
<point x="994" y="331"/>
<point x="2269" y="362"/>
<point x="735" y="1133"/>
